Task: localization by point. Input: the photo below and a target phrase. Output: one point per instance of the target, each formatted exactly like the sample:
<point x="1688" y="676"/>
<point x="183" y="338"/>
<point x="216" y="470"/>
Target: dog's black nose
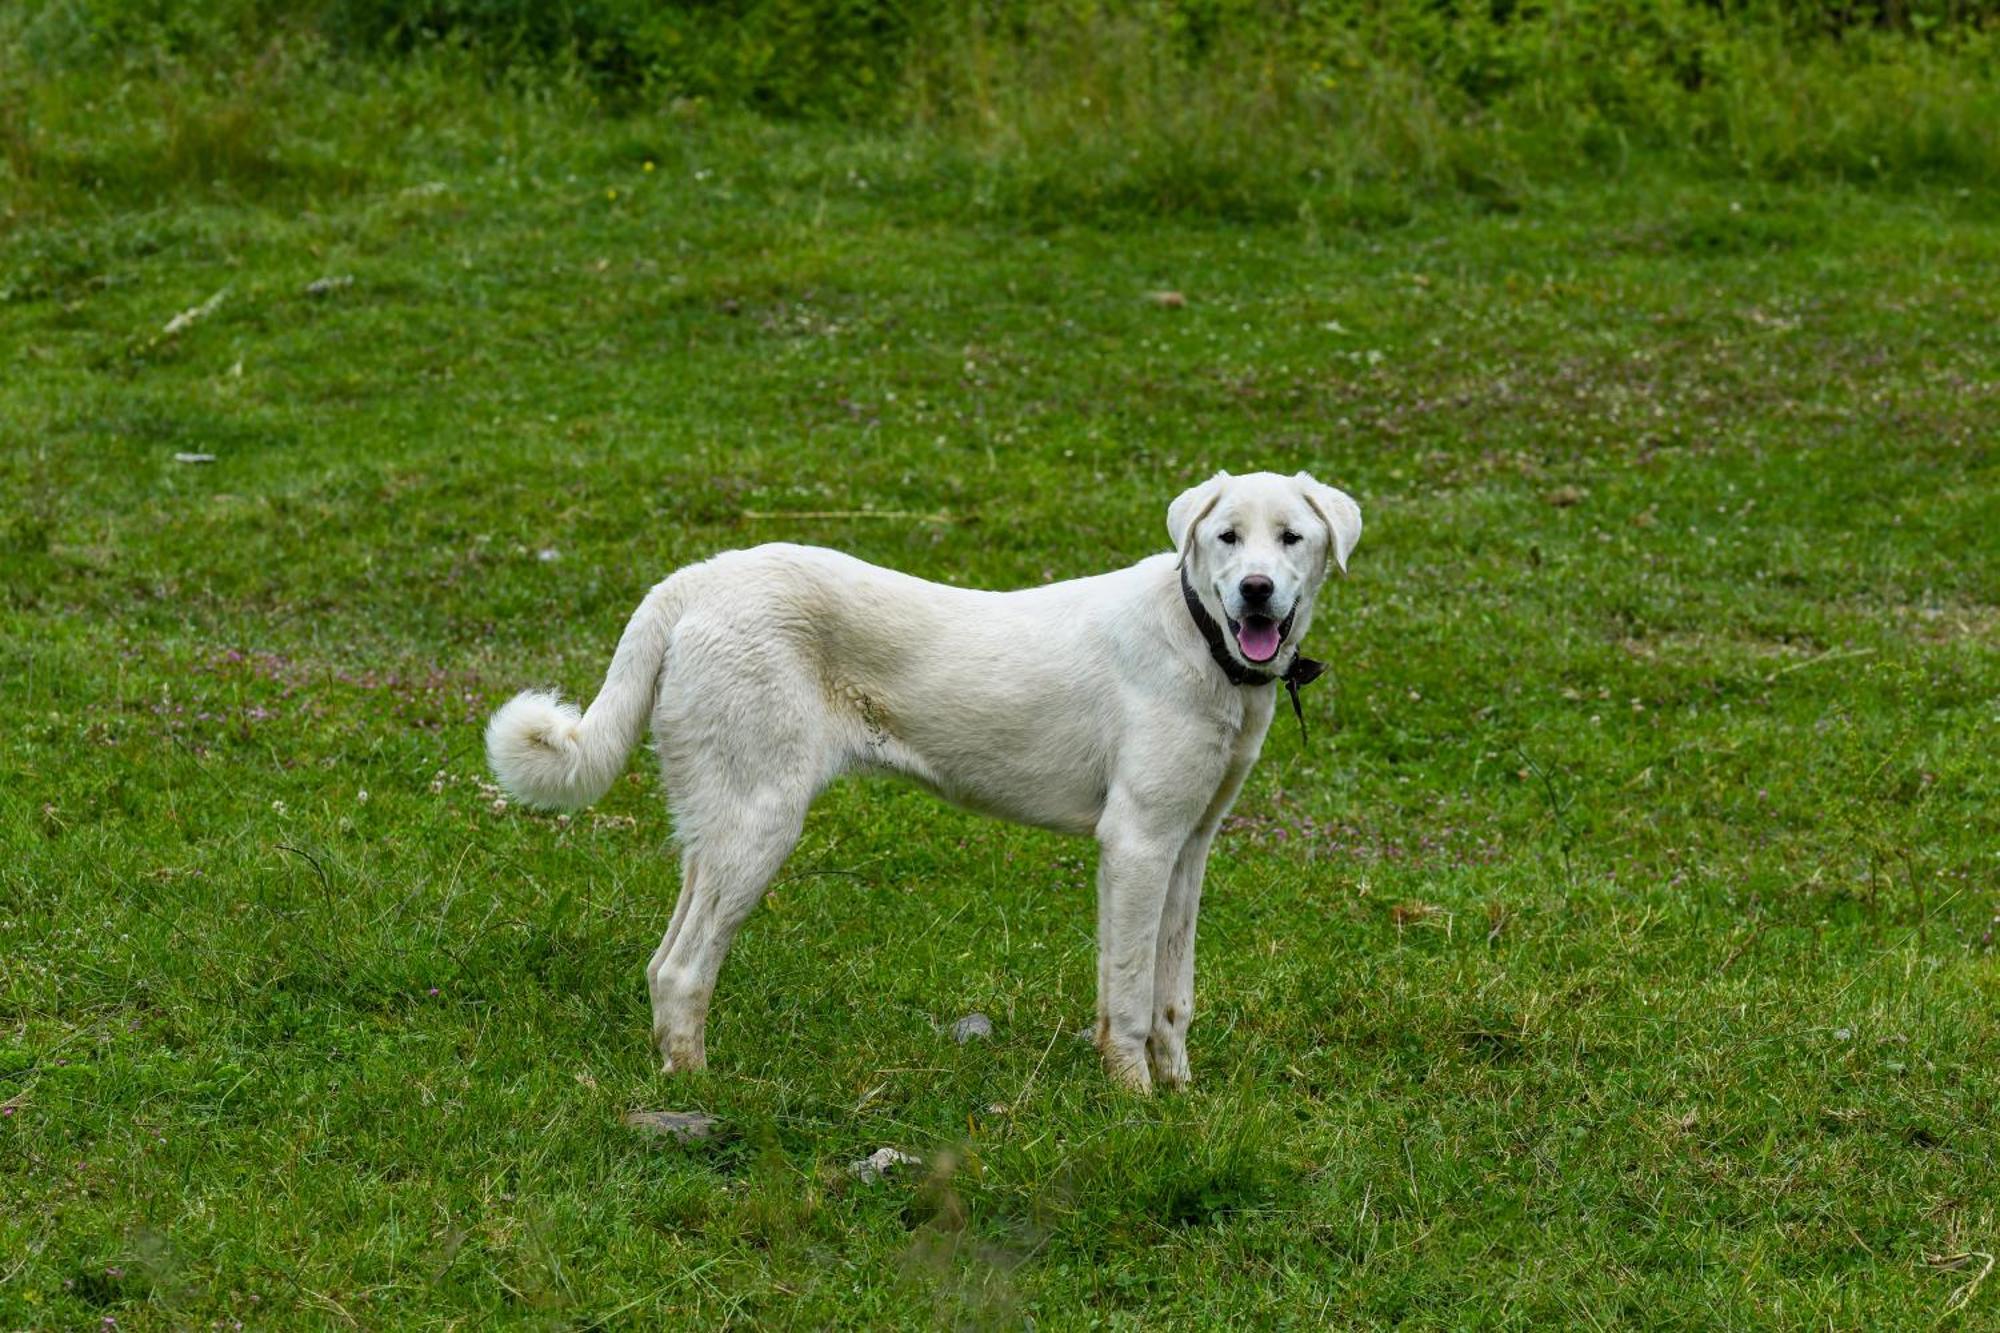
<point x="1256" y="589"/>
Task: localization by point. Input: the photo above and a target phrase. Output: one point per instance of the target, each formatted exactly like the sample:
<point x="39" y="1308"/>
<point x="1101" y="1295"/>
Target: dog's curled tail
<point x="548" y="755"/>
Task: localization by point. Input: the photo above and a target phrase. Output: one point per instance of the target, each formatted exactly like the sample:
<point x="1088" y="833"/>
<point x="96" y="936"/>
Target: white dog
<point x="1115" y="706"/>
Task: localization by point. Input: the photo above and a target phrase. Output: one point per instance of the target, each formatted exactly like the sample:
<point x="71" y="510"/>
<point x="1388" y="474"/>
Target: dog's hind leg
<point x="1103" y="1038"/>
<point x="654" y="986"/>
<point x="745" y="744"/>
<point x="727" y="875"/>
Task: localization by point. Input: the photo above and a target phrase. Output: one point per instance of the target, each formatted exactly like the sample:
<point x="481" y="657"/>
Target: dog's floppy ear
<point x="1190" y="507"/>
<point x="1338" y="511"/>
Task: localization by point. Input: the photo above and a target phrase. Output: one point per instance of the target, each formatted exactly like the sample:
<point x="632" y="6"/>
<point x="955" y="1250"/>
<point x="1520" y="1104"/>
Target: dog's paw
<point x="682" y="1058"/>
<point x="1171" y="1071"/>
<point x="1128" y="1070"/>
<point x="1166" y="1054"/>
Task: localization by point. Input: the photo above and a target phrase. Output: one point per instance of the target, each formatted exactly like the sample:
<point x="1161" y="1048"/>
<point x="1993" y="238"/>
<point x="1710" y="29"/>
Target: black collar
<point x="1303" y="670"/>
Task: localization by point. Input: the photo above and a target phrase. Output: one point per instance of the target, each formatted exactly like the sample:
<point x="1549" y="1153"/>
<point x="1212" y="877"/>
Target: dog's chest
<point x="1245" y="740"/>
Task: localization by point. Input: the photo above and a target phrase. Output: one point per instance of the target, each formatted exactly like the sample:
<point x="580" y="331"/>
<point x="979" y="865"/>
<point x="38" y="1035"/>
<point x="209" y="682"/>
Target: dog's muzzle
<point x="1258" y="636"/>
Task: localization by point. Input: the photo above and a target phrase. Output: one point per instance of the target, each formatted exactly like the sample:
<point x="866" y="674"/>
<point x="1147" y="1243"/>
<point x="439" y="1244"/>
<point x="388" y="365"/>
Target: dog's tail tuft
<point x="535" y="745"/>
<point x="549" y="755"/>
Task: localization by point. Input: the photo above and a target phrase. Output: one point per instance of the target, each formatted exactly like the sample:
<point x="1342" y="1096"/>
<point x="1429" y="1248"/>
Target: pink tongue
<point x="1258" y="639"/>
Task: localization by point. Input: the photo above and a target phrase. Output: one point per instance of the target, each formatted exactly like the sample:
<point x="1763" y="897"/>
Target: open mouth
<point x="1258" y="638"/>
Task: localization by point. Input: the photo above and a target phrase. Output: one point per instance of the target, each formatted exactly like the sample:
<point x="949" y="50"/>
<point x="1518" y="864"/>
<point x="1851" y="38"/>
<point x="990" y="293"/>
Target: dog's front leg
<point x="1173" y="966"/>
<point x="1132" y="873"/>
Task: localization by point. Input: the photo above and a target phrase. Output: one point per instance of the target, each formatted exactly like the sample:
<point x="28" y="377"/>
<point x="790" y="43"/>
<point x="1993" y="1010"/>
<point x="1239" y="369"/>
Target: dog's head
<point x="1256" y="548"/>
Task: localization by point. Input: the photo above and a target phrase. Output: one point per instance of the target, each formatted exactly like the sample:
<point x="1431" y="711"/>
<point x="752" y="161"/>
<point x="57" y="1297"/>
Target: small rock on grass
<point x="880" y="1163"/>
<point x="685" y="1126"/>
<point x="972" y="1025"/>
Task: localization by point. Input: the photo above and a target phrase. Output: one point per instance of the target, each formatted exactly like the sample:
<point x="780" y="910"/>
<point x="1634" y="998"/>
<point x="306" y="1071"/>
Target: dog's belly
<point x="1046" y="778"/>
<point x="1065" y="802"/>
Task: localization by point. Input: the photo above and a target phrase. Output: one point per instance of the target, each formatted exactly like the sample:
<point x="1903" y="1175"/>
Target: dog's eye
<point x="1227" y="538"/>
<point x="1290" y="538"/>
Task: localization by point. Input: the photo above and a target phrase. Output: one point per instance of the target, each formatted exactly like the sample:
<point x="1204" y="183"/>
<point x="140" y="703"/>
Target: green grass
<point x="1618" y="952"/>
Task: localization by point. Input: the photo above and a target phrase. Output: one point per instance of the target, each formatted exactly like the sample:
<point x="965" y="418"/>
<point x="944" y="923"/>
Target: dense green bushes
<point x="852" y="58"/>
<point x="1064" y="106"/>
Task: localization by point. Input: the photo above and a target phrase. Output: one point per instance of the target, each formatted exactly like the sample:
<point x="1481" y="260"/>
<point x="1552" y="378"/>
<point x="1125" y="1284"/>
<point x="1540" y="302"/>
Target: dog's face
<point x="1256" y="549"/>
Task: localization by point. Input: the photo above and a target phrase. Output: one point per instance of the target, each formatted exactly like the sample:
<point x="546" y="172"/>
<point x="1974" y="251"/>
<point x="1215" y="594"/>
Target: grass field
<point x="1618" y="951"/>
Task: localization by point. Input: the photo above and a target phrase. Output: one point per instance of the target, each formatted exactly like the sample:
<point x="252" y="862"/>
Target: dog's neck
<point x="1301" y="672"/>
